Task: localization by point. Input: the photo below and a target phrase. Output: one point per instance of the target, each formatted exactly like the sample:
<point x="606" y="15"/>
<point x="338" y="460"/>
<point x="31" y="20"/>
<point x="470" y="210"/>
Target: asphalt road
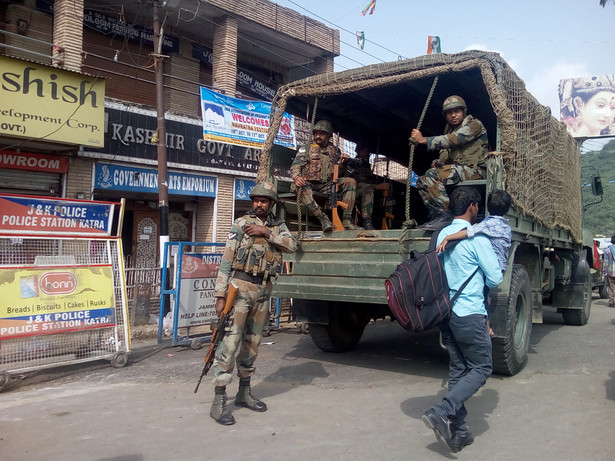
<point x="363" y="405"/>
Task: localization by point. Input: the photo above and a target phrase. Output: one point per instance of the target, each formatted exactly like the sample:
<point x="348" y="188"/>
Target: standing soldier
<point x="313" y="170"/>
<point x="252" y="257"/>
<point x="463" y="147"/>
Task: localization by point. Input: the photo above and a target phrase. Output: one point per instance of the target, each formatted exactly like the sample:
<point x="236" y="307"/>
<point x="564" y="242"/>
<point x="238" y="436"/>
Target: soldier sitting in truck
<point x="463" y="147"/>
<point x="312" y="169"/>
<point x="360" y="169"/>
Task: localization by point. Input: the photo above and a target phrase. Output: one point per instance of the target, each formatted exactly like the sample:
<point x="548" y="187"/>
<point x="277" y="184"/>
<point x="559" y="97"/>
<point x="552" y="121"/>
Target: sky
<point x="544" y="41"/>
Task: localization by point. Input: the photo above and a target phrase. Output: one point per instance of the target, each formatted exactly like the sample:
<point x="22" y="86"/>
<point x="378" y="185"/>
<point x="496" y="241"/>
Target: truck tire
<point x="579" y="317"/>
<point x="344" y="330"/>
<point x="510" y="351"/>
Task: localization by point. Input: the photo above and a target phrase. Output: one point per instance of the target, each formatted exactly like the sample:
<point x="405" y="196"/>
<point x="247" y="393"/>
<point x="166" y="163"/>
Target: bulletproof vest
<point x="472" y="153"/>
<point x="320" y="165"/>
<point x="255" y="255"/>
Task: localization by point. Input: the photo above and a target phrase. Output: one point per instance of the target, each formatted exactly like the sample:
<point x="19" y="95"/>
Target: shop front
<point x="32" y="174"/>
<point x="188" y="193"/>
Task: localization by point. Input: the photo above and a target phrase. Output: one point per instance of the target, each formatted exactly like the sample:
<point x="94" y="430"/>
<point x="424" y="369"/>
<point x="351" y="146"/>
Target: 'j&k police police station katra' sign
<point x="43" y="296"/>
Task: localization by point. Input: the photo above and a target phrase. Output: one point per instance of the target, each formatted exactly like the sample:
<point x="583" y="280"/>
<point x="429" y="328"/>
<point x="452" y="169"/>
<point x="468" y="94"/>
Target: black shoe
<point x="439" y="427"/>
<point x="460" y="441"/>
<point x="367" y="224"/>
<point x="439" y="222"/>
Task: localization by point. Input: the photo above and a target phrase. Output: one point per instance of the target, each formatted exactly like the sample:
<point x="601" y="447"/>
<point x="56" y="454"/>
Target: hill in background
<point x="600" y="218"/>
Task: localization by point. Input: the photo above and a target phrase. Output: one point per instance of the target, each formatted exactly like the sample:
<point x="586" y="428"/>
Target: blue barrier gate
<point x="202" y="270"/>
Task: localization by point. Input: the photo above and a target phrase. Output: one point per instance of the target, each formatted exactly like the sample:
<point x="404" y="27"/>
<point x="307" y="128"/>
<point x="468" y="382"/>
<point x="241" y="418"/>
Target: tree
<point x="604" y="2"/>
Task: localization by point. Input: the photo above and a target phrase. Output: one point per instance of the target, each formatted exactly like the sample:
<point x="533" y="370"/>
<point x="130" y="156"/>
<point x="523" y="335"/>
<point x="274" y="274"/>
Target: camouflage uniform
<point x="461" y="150"/>
<point x="362" y="171"/>
<point x="316" y="166"/>
<point x="250" y="262"/>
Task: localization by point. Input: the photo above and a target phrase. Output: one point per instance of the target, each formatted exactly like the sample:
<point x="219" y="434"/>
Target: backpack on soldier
<point x="418" y="292"/>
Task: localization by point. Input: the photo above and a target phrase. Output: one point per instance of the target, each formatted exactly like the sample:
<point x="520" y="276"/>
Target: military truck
<point x="336" y="279"/>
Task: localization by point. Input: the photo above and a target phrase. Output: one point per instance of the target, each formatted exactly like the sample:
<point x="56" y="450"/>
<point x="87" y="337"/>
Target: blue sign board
<point x="242" y="122"/>
<point x="243" y="187"/>
<point x="127" y="178"/>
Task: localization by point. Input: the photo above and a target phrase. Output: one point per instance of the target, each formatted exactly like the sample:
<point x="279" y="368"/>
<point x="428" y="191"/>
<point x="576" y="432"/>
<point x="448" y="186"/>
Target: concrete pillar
<point x="323" y="64"/>
<point x="68" y="33"/>
<point x="224" y="66"/>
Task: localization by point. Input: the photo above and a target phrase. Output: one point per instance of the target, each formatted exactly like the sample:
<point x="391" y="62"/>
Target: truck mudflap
<point x="574" y="300"/>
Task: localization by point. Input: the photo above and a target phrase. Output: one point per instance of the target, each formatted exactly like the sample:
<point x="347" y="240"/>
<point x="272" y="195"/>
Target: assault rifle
<point x="218" y="335"/>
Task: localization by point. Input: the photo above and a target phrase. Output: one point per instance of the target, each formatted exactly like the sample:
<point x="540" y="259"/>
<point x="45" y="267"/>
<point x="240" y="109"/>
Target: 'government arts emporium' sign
<point x="128" y="178"/>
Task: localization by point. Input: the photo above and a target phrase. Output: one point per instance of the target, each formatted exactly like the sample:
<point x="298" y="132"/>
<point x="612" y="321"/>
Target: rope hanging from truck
<point x="411" y="223"/>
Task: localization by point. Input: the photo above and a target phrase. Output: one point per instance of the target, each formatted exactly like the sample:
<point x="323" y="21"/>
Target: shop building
<point x="241" y="49"/>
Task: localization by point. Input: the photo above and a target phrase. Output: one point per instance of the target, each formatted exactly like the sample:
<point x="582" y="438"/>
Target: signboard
<point x="587" y="105"/>
<point x="49" y="103"/>
<point x="197" y="305"/>
<point x="37" y="215"/>
<point x="117" y="26"/>
<point x="33" y="162"/>
<point x="244" y="79"/>
<point x="243" y="187"/>
<point x="55" y="299"/>
<point x="127" y="178"/>
<point x="129" y="132"/>
<point x="111" y="25"/>
<point x="241" y="122"/>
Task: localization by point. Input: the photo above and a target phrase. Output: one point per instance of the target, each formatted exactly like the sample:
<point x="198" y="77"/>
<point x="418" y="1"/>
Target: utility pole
<point x="163" y="183"/>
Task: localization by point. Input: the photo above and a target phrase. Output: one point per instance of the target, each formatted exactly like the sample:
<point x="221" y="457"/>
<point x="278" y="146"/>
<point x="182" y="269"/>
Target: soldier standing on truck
<point x="252" y="257"/>
<point x="463" y="147"/>
<point x="312" y="170"/>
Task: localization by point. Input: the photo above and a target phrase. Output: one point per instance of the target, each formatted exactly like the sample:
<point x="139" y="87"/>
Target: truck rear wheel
<point x="510" y="351"/>
<point x="344" y="330"/>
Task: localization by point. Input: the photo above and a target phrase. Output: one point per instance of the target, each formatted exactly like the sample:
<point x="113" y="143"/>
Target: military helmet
<point x="264" y="189"/>
<point x="323" y="125"/>
<point x="362" y="145"/>
<point x="453" y="102"/>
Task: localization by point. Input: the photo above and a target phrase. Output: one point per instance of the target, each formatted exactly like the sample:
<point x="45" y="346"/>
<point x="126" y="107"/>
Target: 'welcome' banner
<point x="241" y="122"/>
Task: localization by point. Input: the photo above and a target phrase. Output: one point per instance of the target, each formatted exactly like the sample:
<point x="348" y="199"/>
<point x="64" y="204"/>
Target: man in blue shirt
<point x="464" y="334"/>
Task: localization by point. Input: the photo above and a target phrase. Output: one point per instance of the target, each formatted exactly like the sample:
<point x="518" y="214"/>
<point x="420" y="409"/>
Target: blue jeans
<point x="469" y="347"/>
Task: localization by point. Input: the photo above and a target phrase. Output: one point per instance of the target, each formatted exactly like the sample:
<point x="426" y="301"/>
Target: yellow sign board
<point x="55" y="299"/>
<point x="43" y="102"/>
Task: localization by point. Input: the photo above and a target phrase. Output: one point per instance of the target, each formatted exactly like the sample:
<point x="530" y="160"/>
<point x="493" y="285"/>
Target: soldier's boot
<point x="218" y="411"/>
<point x="348" y="224"/>
<point x="367" y="224"/>
<point x="244" y="397"/>
<point x="325" y="222"/>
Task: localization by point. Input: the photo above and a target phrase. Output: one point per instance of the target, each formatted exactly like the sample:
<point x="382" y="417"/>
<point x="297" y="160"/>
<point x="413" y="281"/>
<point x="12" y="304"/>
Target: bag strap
<point x="463" y="285"/>
<point x="432" y="246"/>
<point x="434" y="240"/>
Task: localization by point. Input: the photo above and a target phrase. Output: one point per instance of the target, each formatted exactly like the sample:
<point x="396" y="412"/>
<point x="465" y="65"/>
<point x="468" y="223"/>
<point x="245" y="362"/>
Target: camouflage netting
<point x="542" y="161"/>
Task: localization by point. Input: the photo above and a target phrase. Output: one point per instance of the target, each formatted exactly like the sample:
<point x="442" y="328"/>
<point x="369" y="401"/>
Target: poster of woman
<point x="587" y="105"/>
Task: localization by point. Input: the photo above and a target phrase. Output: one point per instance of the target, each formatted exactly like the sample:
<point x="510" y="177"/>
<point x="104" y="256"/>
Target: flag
<point x="360" y="39"/>
<point x="369" y="8"/>
<point x="433" y="44"/>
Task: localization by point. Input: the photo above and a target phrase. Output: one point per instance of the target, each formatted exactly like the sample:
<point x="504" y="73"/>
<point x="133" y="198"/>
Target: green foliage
<point x="600" y="218"/>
